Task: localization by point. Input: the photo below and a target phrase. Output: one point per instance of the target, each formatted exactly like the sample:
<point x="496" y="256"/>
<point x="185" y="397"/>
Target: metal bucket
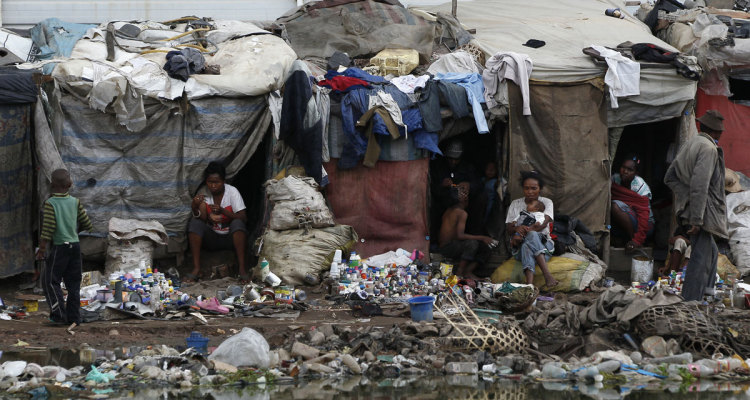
<point x="641" y="267"/>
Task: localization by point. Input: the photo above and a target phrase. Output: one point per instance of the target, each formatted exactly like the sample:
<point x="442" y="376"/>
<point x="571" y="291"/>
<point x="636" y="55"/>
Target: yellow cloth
<point x="573" y="275"/>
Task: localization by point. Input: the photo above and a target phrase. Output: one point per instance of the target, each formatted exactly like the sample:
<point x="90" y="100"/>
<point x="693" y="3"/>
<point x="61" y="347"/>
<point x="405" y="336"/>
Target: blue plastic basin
<point x="421" y="308"/>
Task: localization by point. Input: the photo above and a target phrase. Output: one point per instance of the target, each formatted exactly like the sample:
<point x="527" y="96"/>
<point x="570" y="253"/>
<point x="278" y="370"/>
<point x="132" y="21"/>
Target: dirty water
<point x="449" y="387"/>
<point x="361" y="387"/>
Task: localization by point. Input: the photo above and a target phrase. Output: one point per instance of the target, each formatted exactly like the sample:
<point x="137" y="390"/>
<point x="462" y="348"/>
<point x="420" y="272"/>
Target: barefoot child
<point x="63" y="217"/>
<point x="456" y="243"/>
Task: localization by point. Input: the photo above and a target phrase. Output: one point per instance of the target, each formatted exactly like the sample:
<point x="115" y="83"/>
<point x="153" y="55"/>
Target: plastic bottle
<point x="722" y="365"/>
<point x="684" y="358"/>
<point x="552" y="371"/>
<point x="608" y="366"/>
<point x="155" y="303"/>
<point x="462" y="368"/>
<point x="700" y="370"/>
<point x="354" y="260"/>
<point x="334" y="272"/>
<point x="265" y="269"/>
<point x="589" y="372"/>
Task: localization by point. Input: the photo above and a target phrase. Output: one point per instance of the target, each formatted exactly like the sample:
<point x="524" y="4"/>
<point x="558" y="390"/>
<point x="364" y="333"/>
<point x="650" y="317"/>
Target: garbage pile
<point x="339" y="350"/>
<point x="399" y="276"/>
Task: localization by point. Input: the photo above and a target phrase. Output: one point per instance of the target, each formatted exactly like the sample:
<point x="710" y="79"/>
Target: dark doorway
<point x="249" y="181"/>
<point x="652" y="143"/>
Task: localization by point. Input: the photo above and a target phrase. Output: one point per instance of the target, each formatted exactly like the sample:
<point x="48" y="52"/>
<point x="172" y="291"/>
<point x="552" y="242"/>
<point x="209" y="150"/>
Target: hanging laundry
<point x="507" y="65"/>
<point x="623" y="76"/>
<point x="474" y="87"/>
<point x="343" y="84"/>
<point x="383" y="99"/>
<point x="354" y="72"/>
<point x="408" y="83"/>
<point x="459" y="62"/>
<point x="301" y="128"/>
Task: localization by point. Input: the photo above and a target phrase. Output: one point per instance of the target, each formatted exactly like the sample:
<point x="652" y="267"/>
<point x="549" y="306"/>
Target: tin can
<point x="284" y="294"/>
<point x="609" y="282"/>
<point x="252" y="294"/>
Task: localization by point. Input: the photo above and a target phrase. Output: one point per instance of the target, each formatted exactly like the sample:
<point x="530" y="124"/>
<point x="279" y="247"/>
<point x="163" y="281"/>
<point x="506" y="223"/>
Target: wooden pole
<point x="454" y="6"/>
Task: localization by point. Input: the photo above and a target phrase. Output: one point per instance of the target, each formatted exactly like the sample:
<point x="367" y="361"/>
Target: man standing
<point x="696" y="177"/>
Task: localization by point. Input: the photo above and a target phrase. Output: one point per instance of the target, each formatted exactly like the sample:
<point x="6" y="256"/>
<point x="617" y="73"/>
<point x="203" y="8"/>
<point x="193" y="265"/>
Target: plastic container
<point x="198" y="342"/>
<point x="265" y="269"/>
<point x="552" y="371"/>
<point x="421" y="308"/>
<point x="642" y="267"/>
<point x="395" y="61"/>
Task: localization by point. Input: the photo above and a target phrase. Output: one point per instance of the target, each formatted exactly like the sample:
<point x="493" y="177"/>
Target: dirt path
<point x="36" y="331"/>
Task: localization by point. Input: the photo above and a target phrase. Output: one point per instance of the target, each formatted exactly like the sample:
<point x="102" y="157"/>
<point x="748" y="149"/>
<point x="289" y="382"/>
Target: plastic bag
<point x="293" y="254"/>
<point x="738" y="218"/>
<point x="245" y="349"/>
<point x="296" y="214"/>
<point x="297" y="204"/>
<point x="126" y="254"/>
<point x="98" y="377"/>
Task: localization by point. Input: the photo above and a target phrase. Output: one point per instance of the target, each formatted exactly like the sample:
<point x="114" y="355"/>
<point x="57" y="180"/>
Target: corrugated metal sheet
<point x="29" y="12"/>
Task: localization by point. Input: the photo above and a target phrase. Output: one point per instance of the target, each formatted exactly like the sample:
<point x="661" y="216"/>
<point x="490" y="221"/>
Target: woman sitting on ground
<point x="631" y="204"/>
<point x="532" y="245"/>
<point x="218" y="221"/>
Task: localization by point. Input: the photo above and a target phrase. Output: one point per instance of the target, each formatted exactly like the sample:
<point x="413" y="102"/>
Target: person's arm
<point x="199" y="207"/>
<point x="49" y="225"/>
<point x="237" y="203"/>
<point x="84" y="223"/>
<point x="241" y="215"/>
<point x="540" y="227"/>
<point x="699" y="186"/>
<point x="461" y="231"/>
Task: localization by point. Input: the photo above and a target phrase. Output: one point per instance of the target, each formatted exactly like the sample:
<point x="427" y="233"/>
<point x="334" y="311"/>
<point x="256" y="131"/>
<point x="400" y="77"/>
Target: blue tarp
<point x="16" y="181"/>
<point x="56" y="38"/>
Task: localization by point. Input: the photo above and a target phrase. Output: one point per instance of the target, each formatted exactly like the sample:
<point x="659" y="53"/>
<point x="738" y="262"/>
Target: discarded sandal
<point x="212" y="304"/>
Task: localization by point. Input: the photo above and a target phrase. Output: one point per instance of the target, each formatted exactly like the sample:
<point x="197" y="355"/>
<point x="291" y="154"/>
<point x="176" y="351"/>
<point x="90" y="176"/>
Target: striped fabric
<point x="16" y="190"/>
<point x="151" y="174"/>
<point x="49" y="222"/>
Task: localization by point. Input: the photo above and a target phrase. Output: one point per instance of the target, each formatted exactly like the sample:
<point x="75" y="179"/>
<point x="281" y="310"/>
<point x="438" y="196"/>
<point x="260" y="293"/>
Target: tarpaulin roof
<point x="567" y="27"/>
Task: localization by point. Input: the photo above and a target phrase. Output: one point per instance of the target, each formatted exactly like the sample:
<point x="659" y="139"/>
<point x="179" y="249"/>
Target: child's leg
<point x="51" y="277"/>
<point x="72" y="279"/>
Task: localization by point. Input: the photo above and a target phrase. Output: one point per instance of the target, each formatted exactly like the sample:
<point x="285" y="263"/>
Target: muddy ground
<point x="36" y="331"/>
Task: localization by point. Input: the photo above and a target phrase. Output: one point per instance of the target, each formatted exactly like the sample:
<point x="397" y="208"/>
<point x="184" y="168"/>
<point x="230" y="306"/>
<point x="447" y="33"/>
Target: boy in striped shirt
<point x="63" y="217"/>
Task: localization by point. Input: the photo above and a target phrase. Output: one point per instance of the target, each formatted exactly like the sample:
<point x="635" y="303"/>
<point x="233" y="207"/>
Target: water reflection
<point x="446" y="388"/>
<point x="404" y="387"/>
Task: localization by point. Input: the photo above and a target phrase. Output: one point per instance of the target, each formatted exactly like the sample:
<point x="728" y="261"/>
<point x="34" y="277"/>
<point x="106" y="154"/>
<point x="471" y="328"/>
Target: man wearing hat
<point x="696" y="177"/>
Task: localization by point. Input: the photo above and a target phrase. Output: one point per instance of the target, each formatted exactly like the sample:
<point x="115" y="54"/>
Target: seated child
<point x="679" y="251"/>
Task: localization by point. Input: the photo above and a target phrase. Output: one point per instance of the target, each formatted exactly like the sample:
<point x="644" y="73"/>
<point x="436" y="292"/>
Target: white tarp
<point x="252" y="62"/>
<point x="567" y="27"/>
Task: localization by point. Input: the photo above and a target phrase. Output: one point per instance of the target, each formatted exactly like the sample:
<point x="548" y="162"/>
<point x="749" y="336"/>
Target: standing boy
<point x="63" y="217"/>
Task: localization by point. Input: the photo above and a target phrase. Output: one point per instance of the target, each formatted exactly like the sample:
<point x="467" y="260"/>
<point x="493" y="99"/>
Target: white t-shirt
<point x="518" y="205"/>
<point x="232" y="201"/>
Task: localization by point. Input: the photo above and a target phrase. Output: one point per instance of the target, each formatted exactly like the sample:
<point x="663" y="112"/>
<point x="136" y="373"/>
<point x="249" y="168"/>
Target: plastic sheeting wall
<point x="152" y="174"/>
<point x="735" y="140"/>
<point x="16" y="195"/>
<point x="386" y="205"/>
<point x="566" y="140"/>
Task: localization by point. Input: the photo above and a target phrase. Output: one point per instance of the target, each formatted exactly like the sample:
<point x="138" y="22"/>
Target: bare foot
<point x="551" y="282"/>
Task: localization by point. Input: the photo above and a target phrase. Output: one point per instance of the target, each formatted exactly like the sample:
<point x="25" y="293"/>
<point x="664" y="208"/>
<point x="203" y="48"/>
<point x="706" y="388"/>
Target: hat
<point x="732" y="182"/>
<point x="712" y="119"/>
<point x="455" y="149"/>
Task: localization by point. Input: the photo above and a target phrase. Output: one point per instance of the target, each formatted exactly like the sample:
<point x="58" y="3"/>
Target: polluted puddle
<point x="75" y="369"/>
